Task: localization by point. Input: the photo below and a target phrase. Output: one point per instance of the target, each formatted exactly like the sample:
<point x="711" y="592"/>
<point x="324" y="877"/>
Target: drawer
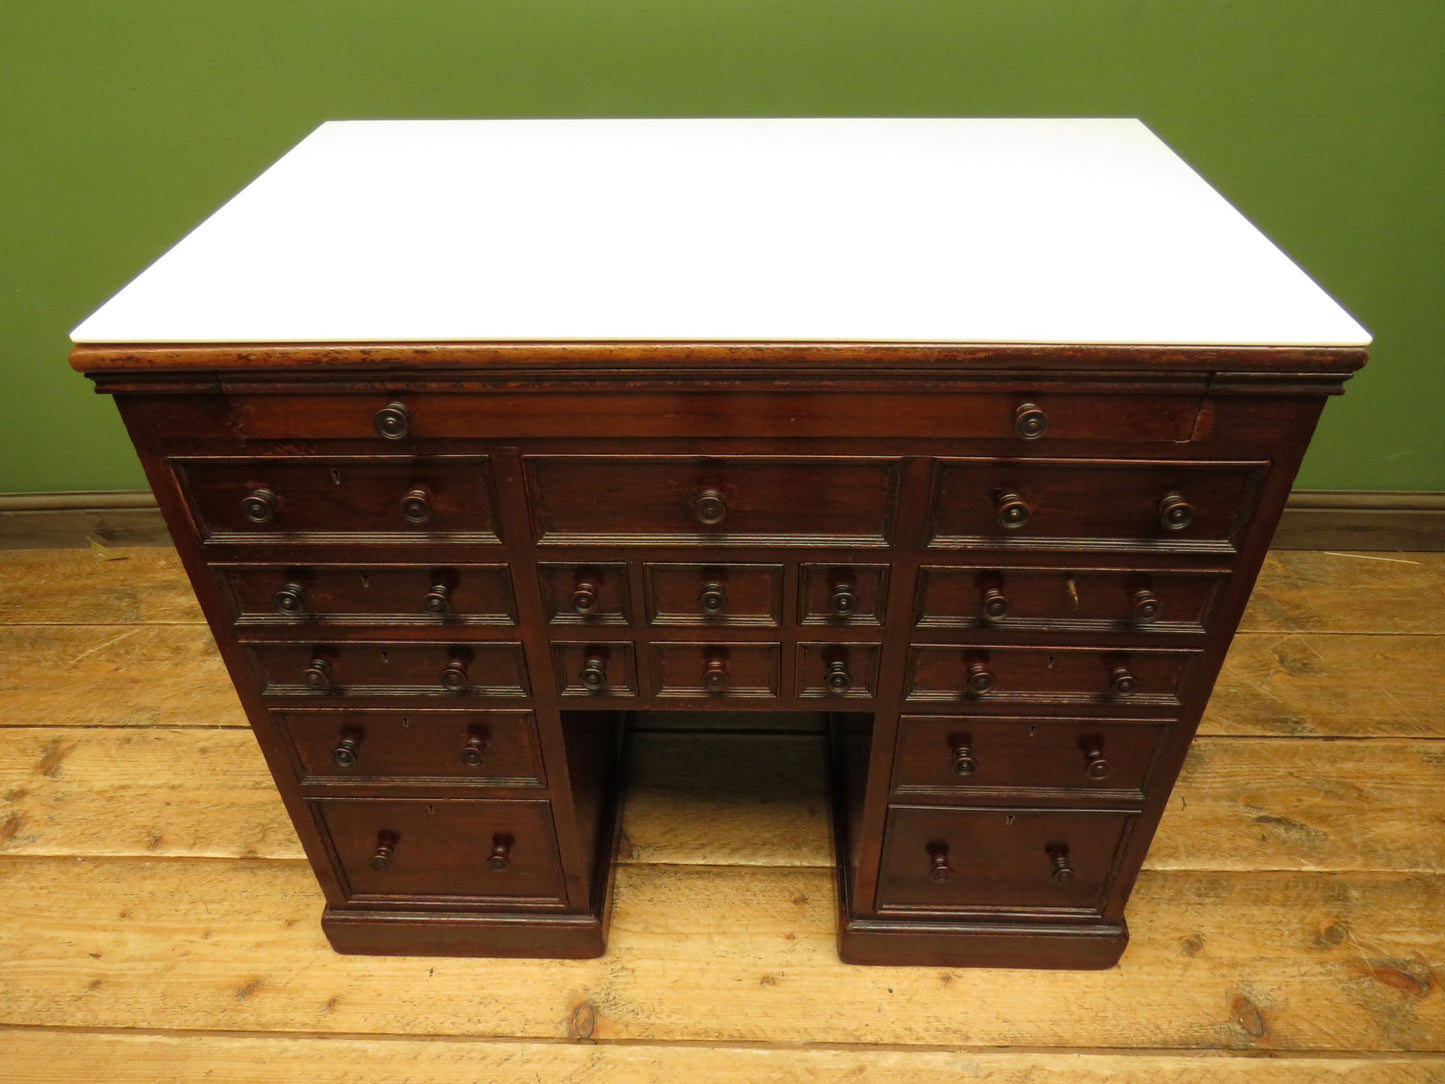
<point x="724" y="499"/>
<point x="585" y="593"/>
<point x="341" y="498"/>
<point x="1088" y="600"/>
<point x="953" y="757"/>
<point x="362" y="594"/>
<point x="498" y="748"/>
<point x="842" y="594"/>
<point x="1058" y="503"/>
<point x="1155" y="677"/>
<point x="378" y="668"/>
<point x="999" y="859"/>
<point x="837" y="670"/>
<point x="401" y="849"/>
<point x="594" y="669"/>
<point x="716" y="671"/>
<point x="714" y="595"/>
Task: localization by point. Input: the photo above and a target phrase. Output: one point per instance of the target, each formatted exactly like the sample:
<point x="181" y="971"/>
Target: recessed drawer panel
<point x="777" y="500"/>
<point x="842" y="594"/>
<point x="1060" y="503"/>
<point x="498" y="748"/>
<point x="373" y="668"/>
<point x="341" y="498"/>
<point x="953" y="757"/>
<point x="585" y="593"/>
<point x="1153" y="677"/>
<point x="594" y="669"/>
<point x="716" y="671"/>
<point x="1091" y="600"/>
<point x="714" y="595"/>
<point x="999" y="859"/>
<point x="361" y="594"/>
<point x="397" y="849"/>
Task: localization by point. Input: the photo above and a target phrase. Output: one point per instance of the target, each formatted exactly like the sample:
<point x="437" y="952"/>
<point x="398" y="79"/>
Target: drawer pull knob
<point x="709" y="508"/>
<point x="385" y="849"/>
<point x="1175" y="513"/>
<point x="584" y="598"/>
<point x="416" y="505"/>
<point x="347" y="753"/>
<point x="940" y="872"/>
<point x="995" y="605"/>
<point x="472" y="752"/>
<point x="715" y="676"/>
<point x="393" y="421"/>
<point x="1122" y="682"/>
<point x="593" y="674"/>
<point x="843" y="602"/>
<point x="1147" y="607"/>
<point x="259" y="506"/>
<point x="964" y="762"/>
<point x="1030" y="422"/>
<point x="500" y="860"/>
<point x="1062" y="873"/>
<point x="1013" y="512"/>
<point x="317" y="674"/>
<point x="454" y="675"/>
<point x="438" y="600"/>
<point x="980" y="679"/>
<point x="712" y="600"/>
<point x="1097" y="766"/>
<point x="836" y="680"/>
<point x="289" y="601"/>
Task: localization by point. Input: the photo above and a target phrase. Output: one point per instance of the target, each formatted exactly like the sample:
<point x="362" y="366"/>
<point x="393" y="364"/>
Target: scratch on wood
<point x="103" y="645"/>
<point x="1370" y="557"/>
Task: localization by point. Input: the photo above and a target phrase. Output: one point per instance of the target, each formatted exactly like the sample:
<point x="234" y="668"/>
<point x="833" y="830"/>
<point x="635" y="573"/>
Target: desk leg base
<point x="913" y="943"/>
<point x="412" y="933"/>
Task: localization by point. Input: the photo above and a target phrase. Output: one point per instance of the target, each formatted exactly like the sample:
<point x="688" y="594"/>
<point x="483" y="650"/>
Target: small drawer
<point x="1154" y="677"/>
<point x="842" y="594"/>
<point x="498" y="748"/>
<point x="999" y="859"/>
<point x="361" y="594"/>
<point x="379" y="668"/>
<point x="725" y="499"/>
<point x="341" y="498"/>
<point x="838" y="670"/>
<point x="953" y="757"/>
<point x="401" y="850"/>
<point x="1090" y="600"/>
<point x="1061" y="503"/>
<point x="716" y="671"/>
<point x="585" y="593"/>
<point x="594" y="669"/>
<point x="714" y="595"/>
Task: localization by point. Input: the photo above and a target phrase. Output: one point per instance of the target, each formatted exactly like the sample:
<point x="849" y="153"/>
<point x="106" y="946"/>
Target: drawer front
<point x="953" y="757"/>
<point x="375" y="668"/>
<point x="1049" y="675"/>
<point x="398" y="848"/>
<point x="838" y="670"/>
<point x="596" y="670"/>
<point x="774" y="500"/>
<point x="842" y="594"/>
<point x="341" y="498"/>
<point x="360" y="594"/>
<point x="999" y="859"/>
<point x="714" y="595"/>
<point x="1090" y="600"/>
<point x="716" y="671"/>
<point x="585" y="594"/>
<point x="498" y="748"/>
<point x="1059" y="503"/>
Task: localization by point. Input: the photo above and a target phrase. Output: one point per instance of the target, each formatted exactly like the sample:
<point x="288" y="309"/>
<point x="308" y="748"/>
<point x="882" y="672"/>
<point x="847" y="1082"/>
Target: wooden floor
<point x="157" y="921"/>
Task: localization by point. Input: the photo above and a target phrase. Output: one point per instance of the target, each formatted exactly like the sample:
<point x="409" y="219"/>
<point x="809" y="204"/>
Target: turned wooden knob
<point x="940" y="871"/>
<point x="712" y="600"/>
<point x="416" y="505"/>
<point x="1012" y="510"/>
<point x="347" y="753"/>
<point x="1030" y="422"/>
<point x="290" y="601"/>
<point x="385" y="848"/>
<point x="1146" y="607"/>
<point x="584" y="598"/>
<point x="454" y="675"/>
<point x="472" y="752"/>
<point x="1094" y="762"/>
<point x="964" y="762"/>
<point x="715" y="676"/>
<point x="501" y="857"/>
<point x="1122" y="682"/>
<point x="593" y="674"/>
<point x="709" y="508"/>
<point x="259" y="506"/>
<point x="995" y="605"/>
<point x="980" y="679"/>
<point x="317" y="674"/>
<point x="438" y="600"/>
<point x="836" y="680"/>
<point x="1061" y="872"/>
<point x="1175" y="513"/>
<point x="842" y="602"/>
<point x="393" y="421"/>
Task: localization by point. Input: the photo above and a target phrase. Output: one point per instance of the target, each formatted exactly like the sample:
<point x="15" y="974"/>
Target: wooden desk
<point x="476" y="436"/>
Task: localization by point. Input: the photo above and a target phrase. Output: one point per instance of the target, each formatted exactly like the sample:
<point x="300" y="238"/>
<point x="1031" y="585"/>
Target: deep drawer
<point x="376" y="668"/>
<point x="361" y="594"/>
<point x="714" y="595"/>
<point x="1049" y="675"/>
<point x="401" y="849"/>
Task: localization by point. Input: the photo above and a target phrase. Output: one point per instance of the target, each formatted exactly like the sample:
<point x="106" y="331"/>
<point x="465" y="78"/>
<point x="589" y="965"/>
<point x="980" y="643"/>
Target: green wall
<point x="123" y="124"/>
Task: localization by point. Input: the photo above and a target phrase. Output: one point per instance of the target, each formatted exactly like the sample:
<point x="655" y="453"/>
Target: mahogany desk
<point x="476" y="435"/>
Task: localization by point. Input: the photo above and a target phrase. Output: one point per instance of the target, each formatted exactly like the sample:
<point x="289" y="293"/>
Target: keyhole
<point x="1051" y="662"/>
<point x="1033" y="730"/>
<point x="335" y="476"/>
<point x="365" y="580"/>
<point x="1009" y="819"/>
<point x="384" y="658"/>
<point x="430" y="810"/>
<point x="406" y="720"/>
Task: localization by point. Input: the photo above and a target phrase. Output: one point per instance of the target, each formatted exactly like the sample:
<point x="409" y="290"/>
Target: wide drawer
<point x="362" y="594"/>
<point x="384" y="668"/>
<point x="724" y="499"/>
<point x="715" y="671"/>
<point x="953" y="757"/>
<point x="497" y="748"/>
<point x="405" y="850"/>
<point x="1049" y="675"/>
<point x="341" y="498"/>
<point x="1054" y="503"/>
<point x="938" y="859"/>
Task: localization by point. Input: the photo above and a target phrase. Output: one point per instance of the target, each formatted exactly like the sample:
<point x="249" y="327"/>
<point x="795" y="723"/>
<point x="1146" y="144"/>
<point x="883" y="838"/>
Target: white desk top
<point x="969" y="231"/>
